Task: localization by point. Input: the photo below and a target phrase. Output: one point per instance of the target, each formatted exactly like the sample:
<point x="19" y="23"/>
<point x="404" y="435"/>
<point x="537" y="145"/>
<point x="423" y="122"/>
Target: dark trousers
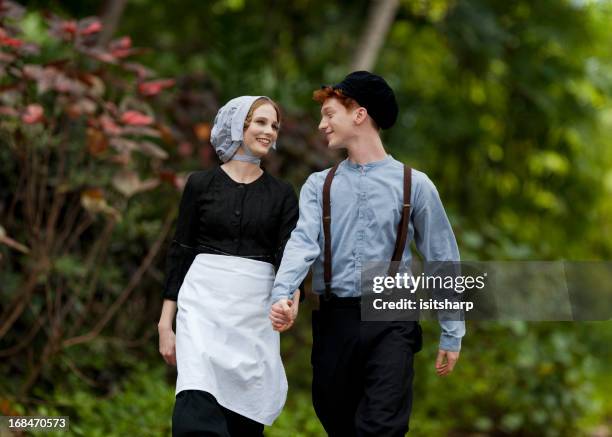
<point x="362" y="371"/>
<point x="198" y="414"/>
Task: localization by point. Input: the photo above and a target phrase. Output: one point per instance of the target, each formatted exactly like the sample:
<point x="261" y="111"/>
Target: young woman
<point x="234" y="221"/>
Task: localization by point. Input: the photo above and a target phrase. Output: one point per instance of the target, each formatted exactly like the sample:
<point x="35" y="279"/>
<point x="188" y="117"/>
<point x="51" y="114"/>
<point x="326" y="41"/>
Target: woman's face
<point x="263" y="130"/>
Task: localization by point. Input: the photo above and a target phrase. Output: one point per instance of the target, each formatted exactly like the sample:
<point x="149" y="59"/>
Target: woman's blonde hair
<point x="260" y="102"/>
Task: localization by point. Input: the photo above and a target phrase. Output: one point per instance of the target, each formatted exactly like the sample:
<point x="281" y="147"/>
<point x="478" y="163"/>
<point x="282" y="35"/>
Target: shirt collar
<point x="370" y="165"/>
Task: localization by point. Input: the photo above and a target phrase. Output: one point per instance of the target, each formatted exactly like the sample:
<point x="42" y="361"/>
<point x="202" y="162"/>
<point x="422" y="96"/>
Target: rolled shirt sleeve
<point x="435" y="240"/>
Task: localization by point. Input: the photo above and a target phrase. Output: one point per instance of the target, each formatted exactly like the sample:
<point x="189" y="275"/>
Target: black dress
<point x="220" y="216"/>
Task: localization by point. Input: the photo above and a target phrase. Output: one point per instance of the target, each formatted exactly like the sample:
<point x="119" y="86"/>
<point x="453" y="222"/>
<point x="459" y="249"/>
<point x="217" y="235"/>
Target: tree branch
<point x="381" y="16"/>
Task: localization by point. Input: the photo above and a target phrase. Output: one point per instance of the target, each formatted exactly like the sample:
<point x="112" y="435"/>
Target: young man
<point x="362" y="371"/>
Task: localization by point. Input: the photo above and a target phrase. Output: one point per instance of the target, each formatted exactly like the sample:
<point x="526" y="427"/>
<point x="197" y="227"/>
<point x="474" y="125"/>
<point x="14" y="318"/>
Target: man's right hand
<point x="284" y="312"/>
<point x="167" y="345"/>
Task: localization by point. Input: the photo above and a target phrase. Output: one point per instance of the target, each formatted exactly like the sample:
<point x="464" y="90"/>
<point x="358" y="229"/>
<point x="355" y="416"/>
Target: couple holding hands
<point x="243" y="245"/>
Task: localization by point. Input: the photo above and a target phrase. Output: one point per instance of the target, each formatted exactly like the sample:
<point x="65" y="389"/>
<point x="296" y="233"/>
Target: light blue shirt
<point x="366" y="205"/>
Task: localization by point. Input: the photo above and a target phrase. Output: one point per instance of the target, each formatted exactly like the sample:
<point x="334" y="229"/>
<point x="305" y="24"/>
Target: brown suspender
<point x="327" y="266"/>
<point x="402" y="227"/>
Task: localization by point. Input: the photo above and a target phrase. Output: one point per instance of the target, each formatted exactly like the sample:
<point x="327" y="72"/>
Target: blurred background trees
<point x="506" y="105"/>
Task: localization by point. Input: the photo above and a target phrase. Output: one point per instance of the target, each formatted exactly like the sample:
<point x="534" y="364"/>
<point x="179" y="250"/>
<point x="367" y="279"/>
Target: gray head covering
<point x="227" y="132"/>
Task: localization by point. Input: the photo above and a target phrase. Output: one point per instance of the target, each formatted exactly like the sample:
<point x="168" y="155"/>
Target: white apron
<point x="225" y="343"/>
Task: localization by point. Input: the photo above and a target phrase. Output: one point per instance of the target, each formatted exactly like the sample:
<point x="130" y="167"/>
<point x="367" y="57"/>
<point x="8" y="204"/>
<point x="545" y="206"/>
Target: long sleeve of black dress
<point x="182" y="249"/>
<point x="221" y="216"/>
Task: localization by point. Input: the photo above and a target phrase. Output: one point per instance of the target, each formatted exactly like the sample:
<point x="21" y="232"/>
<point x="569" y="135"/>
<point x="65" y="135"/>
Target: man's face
<point x="337" y="123"/>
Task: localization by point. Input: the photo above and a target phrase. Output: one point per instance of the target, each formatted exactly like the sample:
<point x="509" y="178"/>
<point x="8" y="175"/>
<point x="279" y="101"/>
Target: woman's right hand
<point x="167" y="345"/>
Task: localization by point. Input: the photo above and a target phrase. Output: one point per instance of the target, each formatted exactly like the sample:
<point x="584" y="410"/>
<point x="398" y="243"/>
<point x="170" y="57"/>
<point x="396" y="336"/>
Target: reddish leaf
<point x="109" y="126"/>
<point x="168" y="176"/>
<point x="97" y="142"/>
<point x="122" y="53"/>
<point x="11" y="9"/>
<point x="166" y="134"/>
<point x="59" y="28"/>
<point x="93" y="194"/>
<point x="123" y="158"/>
<point x="152" y="149"/>
<point x="6" y="40"/>
<point x="33" y="71"/>
<point x="33" y="113"/>
<point x="91" y="28"/>
<point x="122" y="145"/>
<point x="141" y="71"/>
<point x="124" y="42"/>
<point x="80" y="107"/>
<point x="6" y="409"/>
<point x="202" y="131"/>
<point x="69" y="27"/>
<point x="95" y="84"/>
<point x="128" y="183"/>
<point x="93" y="201"/>
<point x="185" y="149"/>
<point x="121" y="48"/>
<point x="136" y="118"/>
<point x="65" y="84"/>
<point x="98" y="54"/>
<point x="206" y="154"/>
<point x="141" y="131"/>
<point x="180" y="182"/>
<point x="6" y="57"/>
<point x="9" y="111"/>
<point x="154" y="87"/>
<point x="112" y="109"/>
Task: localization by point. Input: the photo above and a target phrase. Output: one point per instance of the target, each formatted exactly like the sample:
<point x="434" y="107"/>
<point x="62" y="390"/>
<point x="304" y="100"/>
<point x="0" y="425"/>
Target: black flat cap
<point x="373" y="93"/>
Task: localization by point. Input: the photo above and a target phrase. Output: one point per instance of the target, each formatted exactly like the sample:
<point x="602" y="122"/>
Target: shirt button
<point x="241" y="187"/>
<point x="235" y="240"/>
<point x="237" y="213"/>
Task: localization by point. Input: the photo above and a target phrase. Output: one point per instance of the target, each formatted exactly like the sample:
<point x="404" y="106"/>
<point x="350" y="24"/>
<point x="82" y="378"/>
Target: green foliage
<point x="141" y="405"/>
<point x="537" y="385"/>
<point x="76" y="155"/>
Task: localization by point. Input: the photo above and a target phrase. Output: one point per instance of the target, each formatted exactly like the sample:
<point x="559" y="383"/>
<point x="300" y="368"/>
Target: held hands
<point x="445" y="367"/>
<point x="167" y="345"/>
<point x="284" y="312"/>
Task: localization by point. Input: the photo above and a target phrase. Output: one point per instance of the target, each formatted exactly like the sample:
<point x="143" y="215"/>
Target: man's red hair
<point x="328" y="92"/>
